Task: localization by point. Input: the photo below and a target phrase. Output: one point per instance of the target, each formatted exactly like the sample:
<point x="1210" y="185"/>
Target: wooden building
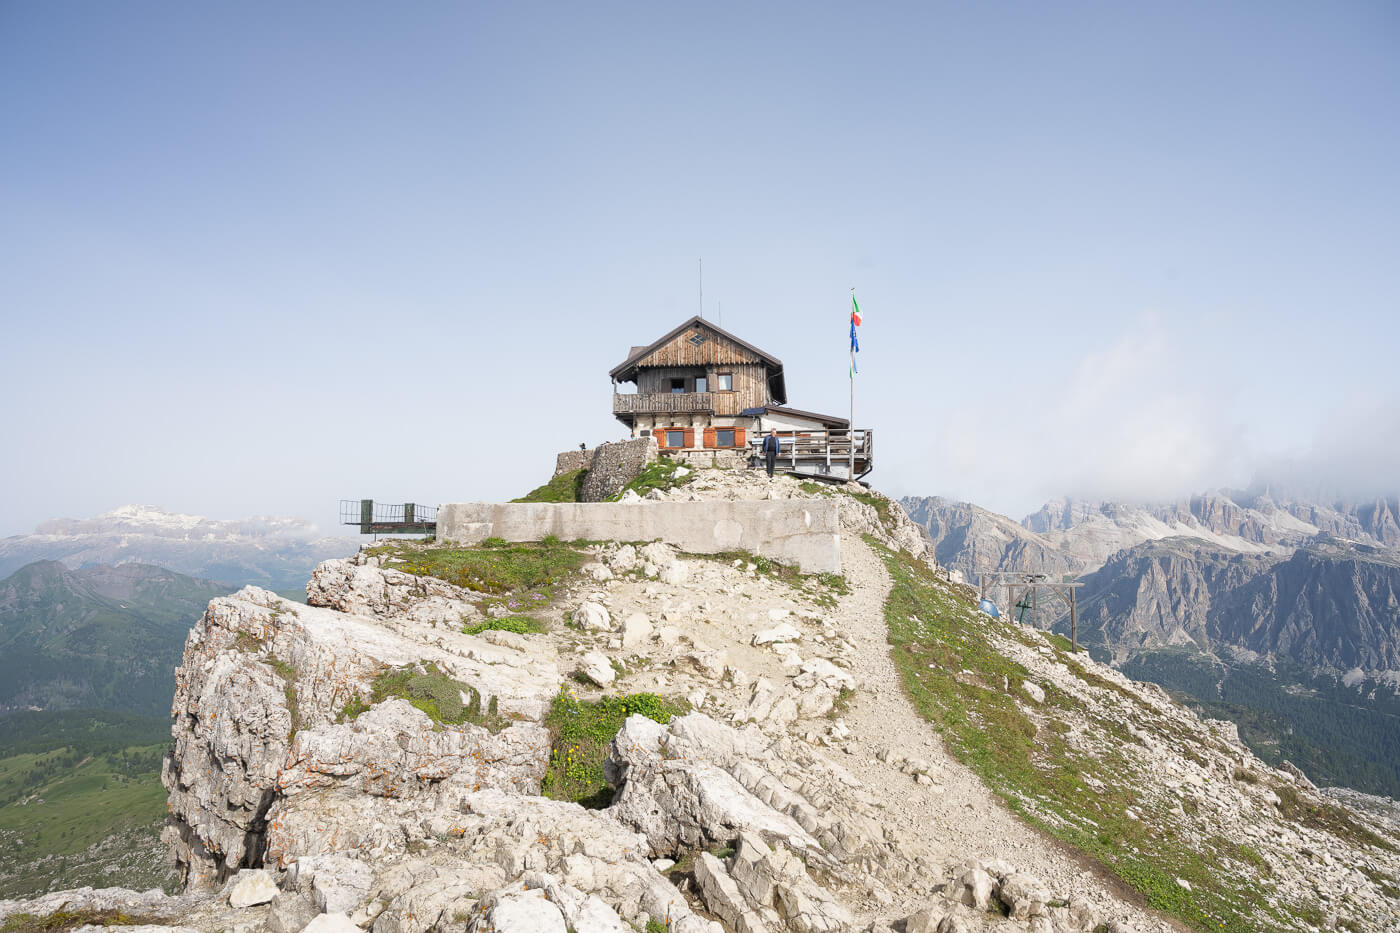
<point x="700" y="389"/>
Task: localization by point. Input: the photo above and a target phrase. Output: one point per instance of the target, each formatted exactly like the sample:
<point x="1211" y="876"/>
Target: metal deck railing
<point x="383" y="518"/>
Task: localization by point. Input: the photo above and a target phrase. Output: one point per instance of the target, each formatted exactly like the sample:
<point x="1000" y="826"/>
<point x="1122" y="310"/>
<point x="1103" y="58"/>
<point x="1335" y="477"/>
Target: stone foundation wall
<point x="801" y="532"/>
<point x="571" y="460"/>
<point x="721" y="459"/>
<point x="613" y="466"/>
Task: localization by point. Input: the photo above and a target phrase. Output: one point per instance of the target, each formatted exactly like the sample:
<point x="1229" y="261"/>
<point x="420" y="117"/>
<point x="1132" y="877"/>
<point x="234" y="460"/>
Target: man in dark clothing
<point x="770" y="450"/>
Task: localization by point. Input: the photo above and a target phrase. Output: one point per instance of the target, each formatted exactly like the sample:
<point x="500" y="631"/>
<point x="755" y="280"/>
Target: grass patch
<point x="566" y="487"/>
<point x="428" y="689"/>
<point x="520" y="625"/>
<point x="659" y="475"/>
<point x="1325" y="817"/>
<point x="815" y="489"/>
<point x="529" y="571"/>
<point x="580" y="731"/>
<point x="288" y="673"/>
<point x="959" y="681"/>
<point x="880" y="504"/>
<point x="1061" y="643"/>
<point x="63" y="920"/>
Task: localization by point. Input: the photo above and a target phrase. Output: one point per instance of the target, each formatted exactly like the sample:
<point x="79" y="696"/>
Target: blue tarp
<point x="990" y="608"/>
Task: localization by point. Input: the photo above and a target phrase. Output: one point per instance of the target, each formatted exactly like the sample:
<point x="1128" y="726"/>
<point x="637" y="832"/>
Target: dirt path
<point x="956" y="818"/>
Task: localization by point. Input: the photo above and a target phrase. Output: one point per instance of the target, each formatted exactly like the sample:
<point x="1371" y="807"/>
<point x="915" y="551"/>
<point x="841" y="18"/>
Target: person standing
<point x="770" y="451"/>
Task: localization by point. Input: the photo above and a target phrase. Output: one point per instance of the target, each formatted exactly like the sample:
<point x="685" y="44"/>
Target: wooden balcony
<point x="662" y="403"/>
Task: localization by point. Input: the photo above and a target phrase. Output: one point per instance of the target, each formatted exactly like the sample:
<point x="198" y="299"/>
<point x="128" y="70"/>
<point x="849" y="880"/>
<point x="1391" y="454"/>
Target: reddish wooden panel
<point x="689" y="437"/>
<point x="740" y="438"/>
<point x="709" y="437"/>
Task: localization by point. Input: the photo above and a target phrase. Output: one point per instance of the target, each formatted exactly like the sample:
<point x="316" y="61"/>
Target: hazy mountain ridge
<point x="971" y="539"/>
<point x="1329" y="605"/>
<point x="277" y="553"/>
<point x="102" y="636"/>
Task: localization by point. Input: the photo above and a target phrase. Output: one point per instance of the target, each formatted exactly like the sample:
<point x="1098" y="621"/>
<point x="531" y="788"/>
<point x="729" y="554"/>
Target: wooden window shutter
<point x="740" y="440"/>
<point x="689" y="437"/>
<point x="710" y="437"/>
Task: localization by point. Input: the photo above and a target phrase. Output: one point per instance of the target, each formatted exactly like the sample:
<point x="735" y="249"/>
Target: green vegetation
<point x="563" y="488"/>
<point x="1062" y="643"/>
<point x="98" y="637"/>
<point x="1336" y="734"/>
<point x="526" y="572"/>
<point x="520" y="625"/>
<point x="430" y="690"/>
<point x="815" y="489"/>
<point x="659" y="475"/>
<point x="581" y="730"/>
<point x="956" y="678"/>
<point x="64" y="920"/>
<point x="880" y="504"/>
<point x="68" y="781"/>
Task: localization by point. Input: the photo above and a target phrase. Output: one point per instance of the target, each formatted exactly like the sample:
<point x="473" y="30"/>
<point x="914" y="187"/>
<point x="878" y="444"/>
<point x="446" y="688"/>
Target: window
<point x="677" y="386"/>
<point x="724" y="382"/>
<point x="675" y="438"/>
<point x="700" y="384"/>
<point x="724" y="437"/>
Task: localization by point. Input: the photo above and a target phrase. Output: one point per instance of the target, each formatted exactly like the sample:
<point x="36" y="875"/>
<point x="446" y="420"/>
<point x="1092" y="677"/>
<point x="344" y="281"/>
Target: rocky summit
<point x="414" y="751"/>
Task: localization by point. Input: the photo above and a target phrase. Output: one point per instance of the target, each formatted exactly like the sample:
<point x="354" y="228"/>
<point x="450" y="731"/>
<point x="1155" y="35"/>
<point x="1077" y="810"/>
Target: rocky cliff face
<point x="1161" y="594"/>
<point x="970" y="540"/>
<point x="1328" y="606"/>
<point x="802" y="792"/>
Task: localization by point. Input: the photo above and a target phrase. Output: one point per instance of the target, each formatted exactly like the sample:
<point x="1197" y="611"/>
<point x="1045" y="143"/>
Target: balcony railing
<point x="662" y="402"/>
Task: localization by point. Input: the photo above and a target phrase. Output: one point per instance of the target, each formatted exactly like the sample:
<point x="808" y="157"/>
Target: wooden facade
<point x="696" y="376"/>
<point x="700" y="388"/>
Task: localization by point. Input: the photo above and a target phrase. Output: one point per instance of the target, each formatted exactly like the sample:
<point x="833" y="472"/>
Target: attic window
<point x="698" y="339"/>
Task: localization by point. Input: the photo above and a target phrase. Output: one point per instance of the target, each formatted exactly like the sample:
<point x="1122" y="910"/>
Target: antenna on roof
<point x="702" y="286"/>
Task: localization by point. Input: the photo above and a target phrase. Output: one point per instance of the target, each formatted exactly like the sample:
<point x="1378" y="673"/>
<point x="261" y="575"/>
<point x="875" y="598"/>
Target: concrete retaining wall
<point x="800" y="532"/>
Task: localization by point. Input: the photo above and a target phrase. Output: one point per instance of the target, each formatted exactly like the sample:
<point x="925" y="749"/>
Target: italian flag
<point x="855" y="312"/>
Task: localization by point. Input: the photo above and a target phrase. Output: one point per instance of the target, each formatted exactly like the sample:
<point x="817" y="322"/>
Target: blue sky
<point x="260" y="258"/>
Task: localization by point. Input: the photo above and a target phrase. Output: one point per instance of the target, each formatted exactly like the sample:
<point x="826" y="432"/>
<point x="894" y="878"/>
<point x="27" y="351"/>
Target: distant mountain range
<point x="276" y="553"/>
<point x="102" y="636"/>
<point x="94" y="612"/>
<point x="1071" y="536"/>
<point x="1278" y="613"/>
<point x="1236" y="573"/>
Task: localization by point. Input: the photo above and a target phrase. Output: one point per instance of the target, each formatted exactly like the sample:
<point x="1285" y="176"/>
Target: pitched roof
<point x="638" y="352"/>
<point x="626" y="371"/>
<point x="833" y="421"/>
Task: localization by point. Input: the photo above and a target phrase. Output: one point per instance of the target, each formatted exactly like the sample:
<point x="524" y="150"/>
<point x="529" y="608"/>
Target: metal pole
<point x="851" y="428"/>
<point x="1073" y="622"/>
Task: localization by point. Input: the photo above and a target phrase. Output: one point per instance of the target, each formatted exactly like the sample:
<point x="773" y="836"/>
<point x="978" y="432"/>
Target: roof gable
<point x="695" y="343"/>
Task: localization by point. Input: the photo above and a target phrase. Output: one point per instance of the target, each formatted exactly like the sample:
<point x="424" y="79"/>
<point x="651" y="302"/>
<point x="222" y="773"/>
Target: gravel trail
<point x="956" y="818"/>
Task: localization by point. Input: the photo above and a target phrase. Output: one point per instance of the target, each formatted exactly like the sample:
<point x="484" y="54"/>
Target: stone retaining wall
<point x="614" y="466"/>
<point x="571" y="460"/>
<point x="804" y="533"/>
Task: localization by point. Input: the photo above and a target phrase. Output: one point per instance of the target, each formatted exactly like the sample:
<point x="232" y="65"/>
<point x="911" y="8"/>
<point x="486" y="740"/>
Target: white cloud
<point x="1137" y="419"/>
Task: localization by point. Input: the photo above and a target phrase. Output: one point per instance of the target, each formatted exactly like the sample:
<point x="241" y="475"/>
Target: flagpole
<point x="851" y="428"/>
